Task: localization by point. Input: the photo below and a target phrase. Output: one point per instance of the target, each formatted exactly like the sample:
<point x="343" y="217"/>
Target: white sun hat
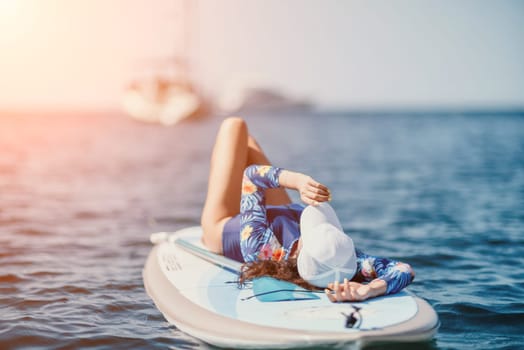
<point x="327" y="253"/>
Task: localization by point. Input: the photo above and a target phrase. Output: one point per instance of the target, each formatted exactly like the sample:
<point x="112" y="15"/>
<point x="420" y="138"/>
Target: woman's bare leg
<point x="228" y="161"/>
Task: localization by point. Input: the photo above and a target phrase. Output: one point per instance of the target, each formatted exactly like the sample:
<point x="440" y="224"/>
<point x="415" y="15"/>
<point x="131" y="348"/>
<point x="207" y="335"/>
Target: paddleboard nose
<point x="158" y="237"/>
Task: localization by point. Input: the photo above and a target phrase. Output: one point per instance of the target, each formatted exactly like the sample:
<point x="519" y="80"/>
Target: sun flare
<point x="9" y="8"/>
<point x="10" y="13"/>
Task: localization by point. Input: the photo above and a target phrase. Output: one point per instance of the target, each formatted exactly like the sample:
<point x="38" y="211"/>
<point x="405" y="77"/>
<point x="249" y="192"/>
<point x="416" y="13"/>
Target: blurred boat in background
<point x="165" y="98"/>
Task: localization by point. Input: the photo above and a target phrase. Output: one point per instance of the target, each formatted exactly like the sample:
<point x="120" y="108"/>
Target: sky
<point x="340" y="54"/>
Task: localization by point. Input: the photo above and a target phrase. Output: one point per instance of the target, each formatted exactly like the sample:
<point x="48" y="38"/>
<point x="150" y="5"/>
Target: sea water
<point x="80" y="194"/>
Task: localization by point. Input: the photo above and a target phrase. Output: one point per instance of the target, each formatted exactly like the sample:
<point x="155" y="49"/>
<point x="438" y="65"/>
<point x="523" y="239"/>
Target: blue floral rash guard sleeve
<point x="396" y="274"/>
<point x="257" y="240"/>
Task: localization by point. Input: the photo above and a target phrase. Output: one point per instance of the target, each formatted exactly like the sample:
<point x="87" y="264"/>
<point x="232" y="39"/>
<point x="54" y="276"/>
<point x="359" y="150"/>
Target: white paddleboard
<point x="197" y="292"/>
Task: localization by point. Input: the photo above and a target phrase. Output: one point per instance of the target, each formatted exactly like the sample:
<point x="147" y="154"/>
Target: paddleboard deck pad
<point x="197" y="291"/>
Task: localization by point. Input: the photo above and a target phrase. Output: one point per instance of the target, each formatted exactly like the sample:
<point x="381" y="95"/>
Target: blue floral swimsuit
<point x="269" y="232"/>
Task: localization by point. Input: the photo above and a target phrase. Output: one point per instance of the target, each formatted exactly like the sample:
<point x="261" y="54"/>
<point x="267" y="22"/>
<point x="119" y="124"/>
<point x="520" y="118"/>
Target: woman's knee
<point x="233" y="125"/>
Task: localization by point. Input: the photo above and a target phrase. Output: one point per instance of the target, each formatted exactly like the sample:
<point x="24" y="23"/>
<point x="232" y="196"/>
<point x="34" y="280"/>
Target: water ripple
<point x="444" y="194"/>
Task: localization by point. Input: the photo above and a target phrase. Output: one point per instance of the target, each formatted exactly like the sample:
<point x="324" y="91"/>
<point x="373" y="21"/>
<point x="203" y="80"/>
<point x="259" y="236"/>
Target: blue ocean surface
<point x="80" y="193"/>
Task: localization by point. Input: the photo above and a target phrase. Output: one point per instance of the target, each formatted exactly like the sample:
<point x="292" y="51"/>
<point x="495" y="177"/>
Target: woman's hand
<point x="354" y="291"/>
<point x="311" y="191"/>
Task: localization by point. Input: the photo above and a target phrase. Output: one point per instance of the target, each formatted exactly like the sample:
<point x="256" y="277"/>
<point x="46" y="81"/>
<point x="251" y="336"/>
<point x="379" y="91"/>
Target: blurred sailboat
<point x="169" y="95"/>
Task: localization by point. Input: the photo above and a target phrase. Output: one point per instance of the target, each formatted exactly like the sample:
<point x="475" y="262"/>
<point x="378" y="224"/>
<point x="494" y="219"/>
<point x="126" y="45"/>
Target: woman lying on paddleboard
<point x="249" y="217"/>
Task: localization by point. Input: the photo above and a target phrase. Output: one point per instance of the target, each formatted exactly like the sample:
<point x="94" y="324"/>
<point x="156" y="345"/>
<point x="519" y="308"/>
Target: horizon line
<point x="349" y="110"/>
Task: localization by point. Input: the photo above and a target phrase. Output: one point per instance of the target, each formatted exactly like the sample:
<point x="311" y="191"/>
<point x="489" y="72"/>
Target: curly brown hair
<point x="285" y="270"/>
